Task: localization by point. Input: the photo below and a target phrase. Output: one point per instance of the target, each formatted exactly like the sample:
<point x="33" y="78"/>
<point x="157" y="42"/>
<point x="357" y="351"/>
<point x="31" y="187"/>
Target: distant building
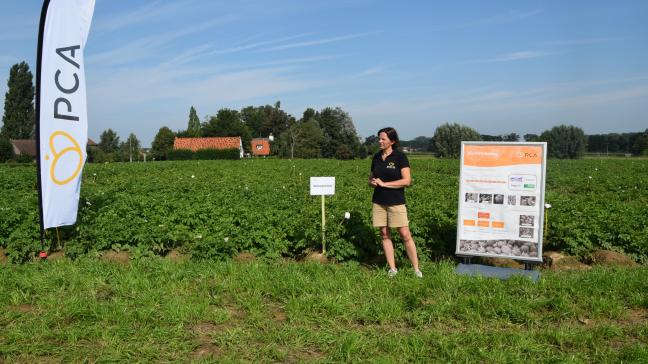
<point x="195" y="144"/>
<point x="260" y="146"/>
<point x="27" y="147"/>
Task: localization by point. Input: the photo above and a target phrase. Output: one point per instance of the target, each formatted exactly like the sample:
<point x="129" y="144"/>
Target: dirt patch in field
<point x="562" y="263"/>
<point x="316" y="257"/>
<point x="22" y="308"/>
<point x="612" y="259"/>
<point x="278" y="312"/>
<point x="245" y="257"/>
<point x="236" y="313"/>
<point x="176" y="255"/>
<point x="636" y="316"/>
<point x="305" y="355"/>
<point x="205" y="349"/>
<point x="120" y="257"/>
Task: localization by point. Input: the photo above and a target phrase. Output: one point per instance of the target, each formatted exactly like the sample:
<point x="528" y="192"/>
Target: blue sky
<point x="497" y="66"/>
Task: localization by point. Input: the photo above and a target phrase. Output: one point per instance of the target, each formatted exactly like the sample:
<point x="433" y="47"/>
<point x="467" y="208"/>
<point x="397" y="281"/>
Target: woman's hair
<point x="391" y="134"/>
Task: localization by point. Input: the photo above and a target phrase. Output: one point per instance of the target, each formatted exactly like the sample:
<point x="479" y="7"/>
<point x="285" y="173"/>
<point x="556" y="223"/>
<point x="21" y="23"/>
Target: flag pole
<point x="39" y="60"/>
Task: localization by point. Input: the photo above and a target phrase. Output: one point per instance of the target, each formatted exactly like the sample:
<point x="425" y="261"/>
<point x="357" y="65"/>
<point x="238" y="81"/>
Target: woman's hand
<point x="379" y="182"/>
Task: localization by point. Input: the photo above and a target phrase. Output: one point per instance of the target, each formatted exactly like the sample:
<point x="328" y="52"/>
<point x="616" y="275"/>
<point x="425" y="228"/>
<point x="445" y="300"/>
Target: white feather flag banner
<point x="62" y="124"/>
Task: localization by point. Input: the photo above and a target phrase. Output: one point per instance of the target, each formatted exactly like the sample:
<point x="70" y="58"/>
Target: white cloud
<point x="246" y="47"/>
<point x="514" y="56"/>
<point x="150" y="12"/>
<point x="149" y="47"/>
<point x="578" y="42"/>
<point x="510" y="16"/>
<point x="317" y="42"/>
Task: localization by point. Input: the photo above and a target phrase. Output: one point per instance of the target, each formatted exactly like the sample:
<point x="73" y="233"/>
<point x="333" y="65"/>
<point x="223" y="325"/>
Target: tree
<point x="228" y="123"/>
<point x="338" y="130"/>
<point x="109" y="141"/>
<point x="302" y="140"/>
<point x="512" y="137"/>
<point x="491" y="138"/>
<point x="640" y="145"/>
<point x="18" y="119"/>
<point x="6" y="149"/>
<point x="371" y="144"/>
<point x="531" y="137"/>
<point x="254" y="119"/>
<point x="130" y="149"/>
<point x="194" y="127"/>
<point x="162" y="143"/>
<point x="448" y="137"/>
<point x="564" y="142"/>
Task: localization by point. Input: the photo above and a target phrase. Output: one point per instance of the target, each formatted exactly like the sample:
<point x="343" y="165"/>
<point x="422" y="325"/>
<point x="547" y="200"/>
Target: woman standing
<point x="390" y="174"/>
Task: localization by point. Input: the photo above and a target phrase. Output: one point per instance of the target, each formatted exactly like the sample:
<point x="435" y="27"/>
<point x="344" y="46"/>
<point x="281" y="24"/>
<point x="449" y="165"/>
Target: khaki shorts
<point x="392" y="216"/>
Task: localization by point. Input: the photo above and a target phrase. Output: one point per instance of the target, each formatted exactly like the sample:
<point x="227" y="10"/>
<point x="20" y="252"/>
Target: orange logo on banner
<point x="498" y="224"/>
<point x="75" y="148"/>
<point x="482" y="223"/>
<point x="469" y="222"/>
<point x="483" y="215"/>
<point x="501" y="155"/>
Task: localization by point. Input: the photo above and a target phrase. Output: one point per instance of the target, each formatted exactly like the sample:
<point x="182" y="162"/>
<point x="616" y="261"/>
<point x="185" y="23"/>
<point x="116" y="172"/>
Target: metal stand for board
<point x="466" y="268"/>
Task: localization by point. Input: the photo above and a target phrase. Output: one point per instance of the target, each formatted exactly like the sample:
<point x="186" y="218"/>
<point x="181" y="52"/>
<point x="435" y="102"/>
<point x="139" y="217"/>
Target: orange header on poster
<point x="501" y="155"/>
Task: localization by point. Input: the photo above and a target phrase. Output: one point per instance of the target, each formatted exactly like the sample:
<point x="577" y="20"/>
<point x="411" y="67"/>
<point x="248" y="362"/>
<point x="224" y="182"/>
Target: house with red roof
<point x="260" y="146"/>
<point x="195" y="144"/>
<point x="27" y="147"/>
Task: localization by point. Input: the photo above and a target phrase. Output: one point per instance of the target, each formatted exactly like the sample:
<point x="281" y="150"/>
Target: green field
<point x="215" y="209"/>
<point x="275" y="308"/>
<point x="282" y="311"/>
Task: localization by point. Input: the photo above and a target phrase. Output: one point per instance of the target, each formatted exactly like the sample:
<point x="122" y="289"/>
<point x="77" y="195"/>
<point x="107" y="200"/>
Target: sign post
<point x="501" y="200"/>
<point x="322" y="186"/>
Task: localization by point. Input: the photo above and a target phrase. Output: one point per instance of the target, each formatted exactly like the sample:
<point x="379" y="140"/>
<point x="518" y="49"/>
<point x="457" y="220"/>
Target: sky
<point x="496" y="66"/>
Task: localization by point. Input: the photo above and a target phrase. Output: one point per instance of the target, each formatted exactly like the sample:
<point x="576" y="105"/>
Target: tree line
<point x="327" y="133"/>
<point x="563" y="141"/>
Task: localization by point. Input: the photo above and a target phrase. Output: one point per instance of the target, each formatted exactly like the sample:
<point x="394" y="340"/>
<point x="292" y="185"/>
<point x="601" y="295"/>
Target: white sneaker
<point x="418" y="274"/>
<point x="392" y="273"/>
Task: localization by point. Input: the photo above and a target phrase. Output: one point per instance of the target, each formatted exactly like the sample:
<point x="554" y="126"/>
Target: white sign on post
<point x="320" y="186"/>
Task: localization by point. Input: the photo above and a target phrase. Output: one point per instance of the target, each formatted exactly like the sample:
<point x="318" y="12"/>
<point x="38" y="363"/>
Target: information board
<point x="501" y="200"/>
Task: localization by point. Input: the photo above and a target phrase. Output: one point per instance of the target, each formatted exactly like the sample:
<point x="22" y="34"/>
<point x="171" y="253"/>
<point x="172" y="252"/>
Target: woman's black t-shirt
<point x="389" y="170"/>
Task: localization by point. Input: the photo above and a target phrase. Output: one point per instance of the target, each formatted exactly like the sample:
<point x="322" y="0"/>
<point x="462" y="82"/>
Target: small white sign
<point x="322" y="186"/>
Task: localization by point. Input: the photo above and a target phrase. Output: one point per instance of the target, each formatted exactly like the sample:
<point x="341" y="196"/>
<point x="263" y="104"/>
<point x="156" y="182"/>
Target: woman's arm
<point x="405" y="181"/>
<point x="372" y="180"/>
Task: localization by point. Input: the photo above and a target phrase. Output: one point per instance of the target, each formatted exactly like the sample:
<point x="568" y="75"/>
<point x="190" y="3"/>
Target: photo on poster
<point x="527" y="200"/>
<point x="485" y="198"/>
<point x="471" y="197"/>
<point x="498" y="199"/>
<point x="511" y="248"/>
<point x="512" y="200"/>
<point x="527" y="220"/>
<point x="526" y="233"/>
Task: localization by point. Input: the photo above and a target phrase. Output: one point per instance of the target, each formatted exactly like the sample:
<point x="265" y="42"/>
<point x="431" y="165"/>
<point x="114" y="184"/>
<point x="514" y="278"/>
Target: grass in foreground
<point x="282" y="311"/>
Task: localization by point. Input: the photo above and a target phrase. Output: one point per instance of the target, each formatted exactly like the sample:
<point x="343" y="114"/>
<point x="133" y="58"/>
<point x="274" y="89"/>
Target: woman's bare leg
<point x="410" y="248"/>
<point x="388" y="247"/>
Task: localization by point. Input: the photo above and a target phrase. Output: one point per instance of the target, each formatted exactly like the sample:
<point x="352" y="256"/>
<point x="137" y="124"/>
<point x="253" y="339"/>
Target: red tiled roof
<point x="195" y="144"/>
<point x="263" y="150"/>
